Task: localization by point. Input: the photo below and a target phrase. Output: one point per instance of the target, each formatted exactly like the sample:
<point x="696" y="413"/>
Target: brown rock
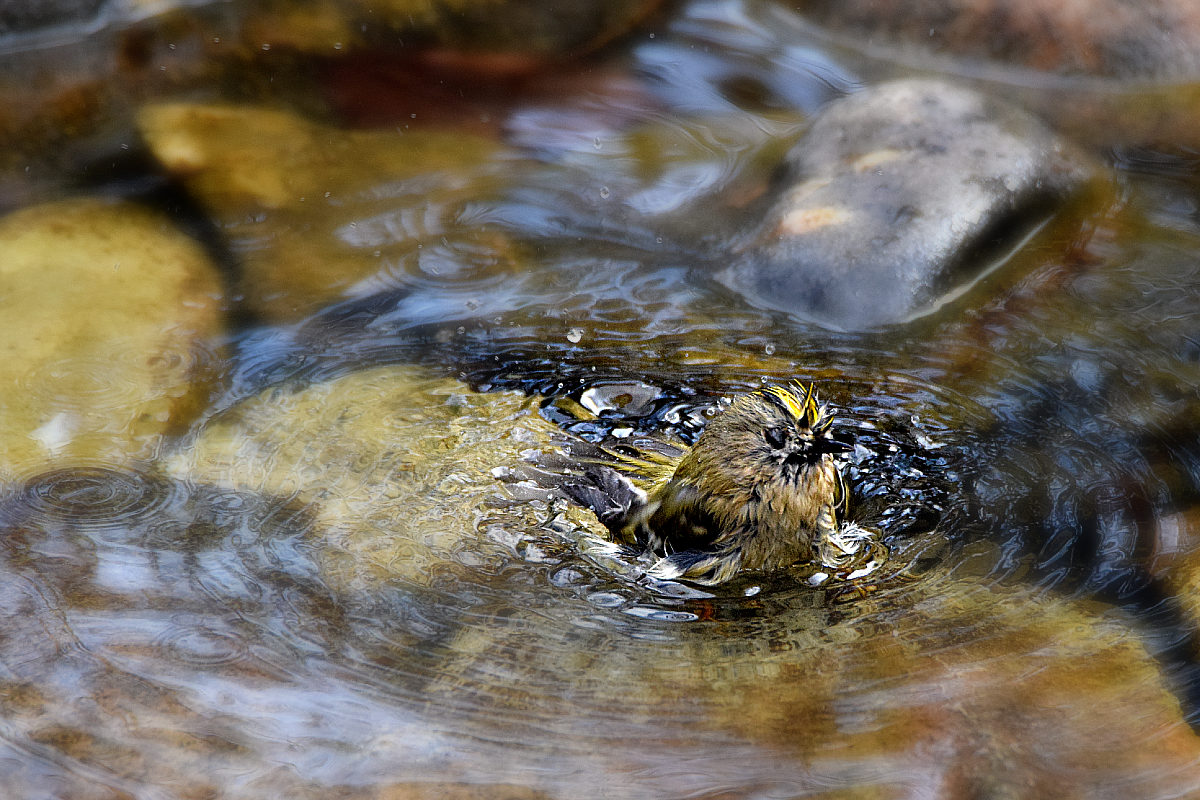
<point x="316" y="214"/>
<point x="512" y="32"/>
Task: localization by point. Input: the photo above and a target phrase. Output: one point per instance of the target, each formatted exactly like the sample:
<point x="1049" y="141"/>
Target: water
<point x="315" y="585"/>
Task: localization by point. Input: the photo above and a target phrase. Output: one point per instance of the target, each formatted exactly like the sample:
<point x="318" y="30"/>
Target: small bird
<point x="759" y="490"/>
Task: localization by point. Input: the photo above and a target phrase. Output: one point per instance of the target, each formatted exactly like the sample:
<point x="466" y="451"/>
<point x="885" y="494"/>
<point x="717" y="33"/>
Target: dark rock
<point x="897" y="196"/>
<point x="493" y="35"/>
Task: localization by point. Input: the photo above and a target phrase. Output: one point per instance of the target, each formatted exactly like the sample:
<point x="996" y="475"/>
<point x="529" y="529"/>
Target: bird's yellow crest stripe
<point x="799" y="400"/>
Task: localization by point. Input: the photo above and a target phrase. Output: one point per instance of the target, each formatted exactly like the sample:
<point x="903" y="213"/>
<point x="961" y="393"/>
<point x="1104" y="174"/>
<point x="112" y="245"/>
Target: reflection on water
<point x="322" y="590"/>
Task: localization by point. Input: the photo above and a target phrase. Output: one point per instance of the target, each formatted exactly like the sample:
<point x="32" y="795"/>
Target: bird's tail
<point x="706" y="568"/>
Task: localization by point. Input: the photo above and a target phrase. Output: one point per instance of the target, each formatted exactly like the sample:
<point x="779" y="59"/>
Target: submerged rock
<point x="1175" y="559"/>
<point x="898" y="196"/>
<point x="506" y="31"/>
<point x="948" y="688"/>
<point x="518" y="29"/>
<point x="107" y="317"/>
<point x="395" y="466"/>
<point x="315" y="214"/>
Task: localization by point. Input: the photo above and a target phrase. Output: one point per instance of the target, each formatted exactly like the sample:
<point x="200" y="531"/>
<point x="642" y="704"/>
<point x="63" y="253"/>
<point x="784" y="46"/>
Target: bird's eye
<point x="775" y="437"/>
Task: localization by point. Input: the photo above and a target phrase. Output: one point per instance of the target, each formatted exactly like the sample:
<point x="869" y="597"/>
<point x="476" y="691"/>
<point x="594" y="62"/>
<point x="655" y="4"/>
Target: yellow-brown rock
<point x="107" y="317"/>
<point x="530" y="31"/>
<point x="314" y="213"/>
<point x="395" y="466"/>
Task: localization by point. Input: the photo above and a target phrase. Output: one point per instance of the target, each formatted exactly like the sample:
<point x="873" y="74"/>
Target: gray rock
<point x="893" y="199"/>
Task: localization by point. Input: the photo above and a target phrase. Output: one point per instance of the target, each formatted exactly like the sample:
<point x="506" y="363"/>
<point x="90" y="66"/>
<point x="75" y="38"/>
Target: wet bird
<point x="759" y="490"/>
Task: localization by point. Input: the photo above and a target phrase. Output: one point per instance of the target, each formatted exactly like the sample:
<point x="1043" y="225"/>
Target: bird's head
<point x="777" y="434"/>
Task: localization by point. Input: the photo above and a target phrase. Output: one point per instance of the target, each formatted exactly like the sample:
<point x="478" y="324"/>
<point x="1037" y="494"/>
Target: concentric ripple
<point x="93" y="496"/>
<point x="201" y="645"/>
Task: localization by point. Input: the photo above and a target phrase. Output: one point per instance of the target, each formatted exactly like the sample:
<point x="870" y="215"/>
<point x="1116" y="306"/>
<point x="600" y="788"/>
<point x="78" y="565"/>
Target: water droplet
<point x="604" y="192"/>
<point x="606" y="599"/>
<point x="631" y="399"/>
<point x="575" y="335"/>
<point x="769" y="349"/>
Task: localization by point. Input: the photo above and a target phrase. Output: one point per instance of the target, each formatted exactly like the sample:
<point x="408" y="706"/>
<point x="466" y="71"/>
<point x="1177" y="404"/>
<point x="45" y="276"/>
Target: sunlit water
<point x="1020" y="451"/>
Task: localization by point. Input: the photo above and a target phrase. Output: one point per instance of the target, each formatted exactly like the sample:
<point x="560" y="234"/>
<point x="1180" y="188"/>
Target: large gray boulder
<point x="896" y="197"/>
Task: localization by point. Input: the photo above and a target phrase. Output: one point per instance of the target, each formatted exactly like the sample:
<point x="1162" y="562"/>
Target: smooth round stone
<point x="892" y="202"/>
<point x="107" y="318"/>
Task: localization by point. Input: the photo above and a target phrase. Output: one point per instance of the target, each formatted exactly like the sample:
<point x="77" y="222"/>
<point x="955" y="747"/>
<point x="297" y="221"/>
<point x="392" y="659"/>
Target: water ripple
<point x="199" y="645"/>
<point x="94" y="496"/>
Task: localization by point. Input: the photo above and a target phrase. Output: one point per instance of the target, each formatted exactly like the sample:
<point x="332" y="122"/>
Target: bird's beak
<point x="832" y="446"/>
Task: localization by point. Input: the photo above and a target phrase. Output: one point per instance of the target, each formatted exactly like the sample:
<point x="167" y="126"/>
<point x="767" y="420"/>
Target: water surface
<point x="380" y="617"/>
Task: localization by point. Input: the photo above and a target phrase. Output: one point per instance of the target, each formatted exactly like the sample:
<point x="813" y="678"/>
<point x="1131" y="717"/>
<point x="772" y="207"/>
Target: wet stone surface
<point x="896" y="198"/>
<point x="108" y="326"/>
<point x="519" y="29"/>
<point x="396" y="467"/>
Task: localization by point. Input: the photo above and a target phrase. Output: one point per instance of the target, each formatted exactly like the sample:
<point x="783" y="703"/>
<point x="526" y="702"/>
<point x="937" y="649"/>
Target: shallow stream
<point x="316" y="587"/>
